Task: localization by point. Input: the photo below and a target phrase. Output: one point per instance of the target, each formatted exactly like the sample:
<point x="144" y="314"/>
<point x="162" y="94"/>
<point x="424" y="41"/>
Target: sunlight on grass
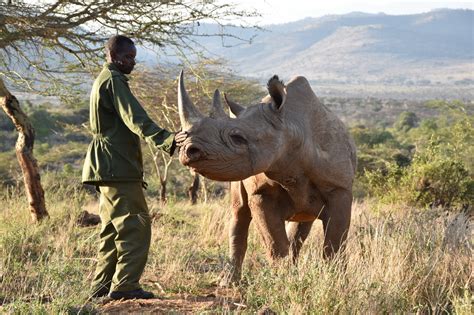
<point x="398" y="259"/>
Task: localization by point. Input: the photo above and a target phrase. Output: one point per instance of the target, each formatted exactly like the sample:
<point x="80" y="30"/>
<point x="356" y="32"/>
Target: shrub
<point x="432" y="179"/>
<point x="43" y="122"/>
<point x="406" y="121"/>
<point x="437" y="179"/>
<point x="370" y="136"/>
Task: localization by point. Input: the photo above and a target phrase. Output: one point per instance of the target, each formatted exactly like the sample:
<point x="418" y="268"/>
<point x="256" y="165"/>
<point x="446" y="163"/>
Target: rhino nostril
<point x="193" y="153"/>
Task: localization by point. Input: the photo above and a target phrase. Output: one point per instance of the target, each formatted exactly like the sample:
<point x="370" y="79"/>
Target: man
<point x="114" y="165"/>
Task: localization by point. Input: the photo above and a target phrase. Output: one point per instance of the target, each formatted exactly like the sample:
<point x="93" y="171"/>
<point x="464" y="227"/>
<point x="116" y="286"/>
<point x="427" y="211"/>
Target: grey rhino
<point x="290" y="161"/>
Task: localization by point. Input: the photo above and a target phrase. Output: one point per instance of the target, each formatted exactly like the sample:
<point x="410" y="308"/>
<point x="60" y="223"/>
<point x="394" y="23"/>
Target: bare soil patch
<point x="214" y="299"/>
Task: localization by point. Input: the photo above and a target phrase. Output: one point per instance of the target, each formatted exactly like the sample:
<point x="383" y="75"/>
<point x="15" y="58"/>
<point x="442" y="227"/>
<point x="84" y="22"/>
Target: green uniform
<point x="124" y="237"/>
<point x="117" y="123"/>
<point x="114" y="164"/>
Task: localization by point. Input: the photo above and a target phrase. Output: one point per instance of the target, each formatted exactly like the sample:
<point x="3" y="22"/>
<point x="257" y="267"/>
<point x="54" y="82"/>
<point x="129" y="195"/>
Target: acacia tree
<point x="42" y="40"/>
<point x="47" y="46"/>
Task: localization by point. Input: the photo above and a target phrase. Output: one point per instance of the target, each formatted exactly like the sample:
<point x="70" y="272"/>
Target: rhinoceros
<point x="289" y="159"/>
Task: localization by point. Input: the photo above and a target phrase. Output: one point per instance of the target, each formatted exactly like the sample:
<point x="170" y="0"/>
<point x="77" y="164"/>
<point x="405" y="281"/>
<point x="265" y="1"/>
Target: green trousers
<point x="124" y="237"/>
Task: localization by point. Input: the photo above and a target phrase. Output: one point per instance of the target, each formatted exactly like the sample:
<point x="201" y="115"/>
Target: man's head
<point x="121" y="51"/>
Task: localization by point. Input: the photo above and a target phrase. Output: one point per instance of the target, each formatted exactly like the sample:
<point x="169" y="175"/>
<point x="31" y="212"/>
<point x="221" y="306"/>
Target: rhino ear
<point x="235" y="108"/>
<point x="277" y="91"/>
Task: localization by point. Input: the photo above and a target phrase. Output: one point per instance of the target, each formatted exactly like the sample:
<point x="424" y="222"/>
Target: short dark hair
<point x="118" y="41"/>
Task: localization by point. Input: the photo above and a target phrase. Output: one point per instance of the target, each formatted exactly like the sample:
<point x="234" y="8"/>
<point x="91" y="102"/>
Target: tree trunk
<point x="24" y="153"/>
<point x="204" y="189"/>
<point x="193" y="189"/>
<point x="163" y="192"/>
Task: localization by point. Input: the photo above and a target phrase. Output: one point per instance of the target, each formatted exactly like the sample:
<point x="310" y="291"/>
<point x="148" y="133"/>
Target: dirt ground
<point x="216" y="299"/>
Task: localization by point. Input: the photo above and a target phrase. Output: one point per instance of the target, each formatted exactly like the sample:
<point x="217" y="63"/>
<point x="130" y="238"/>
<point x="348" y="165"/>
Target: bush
<point x="439" y="177"/>
<point x="43" y="122"/>
<point x="431" y="179"/>
<point x="432" y="164"/>
<point x="370" y="136"/>
<point x="406" y="121"/>
<point x="441" y="182"/>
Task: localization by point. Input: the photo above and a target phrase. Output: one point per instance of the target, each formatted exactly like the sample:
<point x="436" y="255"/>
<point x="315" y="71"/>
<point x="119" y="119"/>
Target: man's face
<point x="124" y="58"/>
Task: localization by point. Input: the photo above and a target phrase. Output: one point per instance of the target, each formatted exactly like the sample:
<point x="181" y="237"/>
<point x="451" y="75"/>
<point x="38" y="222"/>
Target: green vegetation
<point x="426" y="165"/>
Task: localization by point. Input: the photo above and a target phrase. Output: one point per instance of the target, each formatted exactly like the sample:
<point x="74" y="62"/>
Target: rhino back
<point x="328" y="151"/>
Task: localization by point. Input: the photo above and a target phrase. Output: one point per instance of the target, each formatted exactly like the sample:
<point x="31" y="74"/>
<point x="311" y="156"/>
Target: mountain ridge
<point x="435" y="47"/>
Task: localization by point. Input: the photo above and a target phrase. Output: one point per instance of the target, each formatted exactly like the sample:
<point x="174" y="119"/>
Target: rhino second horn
<point x="234" y="107"/>
<point x="217" y="111"/>
<point x="188" y="114"/>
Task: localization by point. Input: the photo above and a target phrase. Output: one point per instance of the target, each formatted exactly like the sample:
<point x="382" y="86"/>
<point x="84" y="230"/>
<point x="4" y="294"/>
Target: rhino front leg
<point x="271" y="226"/>
<point x="336" y="219"/>
<point x="238" y="234"/>
<point x="297" y="233"/>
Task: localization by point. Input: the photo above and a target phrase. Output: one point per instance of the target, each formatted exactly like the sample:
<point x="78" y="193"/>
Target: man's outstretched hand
<point x="180" y="137"/>
<point x="178" y="141"/>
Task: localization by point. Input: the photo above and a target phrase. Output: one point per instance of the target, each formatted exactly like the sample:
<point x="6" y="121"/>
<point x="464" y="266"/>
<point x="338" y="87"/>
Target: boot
<point x="133" y="294"/>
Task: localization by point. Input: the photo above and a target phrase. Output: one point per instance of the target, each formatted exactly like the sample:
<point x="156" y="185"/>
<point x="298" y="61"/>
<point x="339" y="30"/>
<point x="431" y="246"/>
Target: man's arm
<point x="136" y="118"/>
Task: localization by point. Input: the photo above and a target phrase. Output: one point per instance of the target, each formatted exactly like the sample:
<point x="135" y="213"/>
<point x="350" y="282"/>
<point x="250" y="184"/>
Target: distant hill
<point x="428" y="49"/>
<point x="419" y="56"/>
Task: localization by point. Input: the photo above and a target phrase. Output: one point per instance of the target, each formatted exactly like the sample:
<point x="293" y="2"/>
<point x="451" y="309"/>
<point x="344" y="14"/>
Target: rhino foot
<point x="229" y="276"/>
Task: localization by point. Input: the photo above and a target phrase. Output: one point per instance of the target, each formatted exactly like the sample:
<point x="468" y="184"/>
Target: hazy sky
<point x="281" y="11"/>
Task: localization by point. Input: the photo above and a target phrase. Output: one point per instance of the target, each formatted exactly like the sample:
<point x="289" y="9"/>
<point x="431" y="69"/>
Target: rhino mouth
<point x="213" y="167"/>
<point x="221" y="174"/>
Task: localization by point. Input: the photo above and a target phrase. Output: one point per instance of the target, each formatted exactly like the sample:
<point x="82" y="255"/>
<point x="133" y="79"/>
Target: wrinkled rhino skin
<point x="290" y="161"/>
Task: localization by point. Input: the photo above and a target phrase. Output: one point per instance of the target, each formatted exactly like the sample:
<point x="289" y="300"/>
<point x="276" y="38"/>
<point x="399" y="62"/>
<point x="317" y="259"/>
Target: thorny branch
<point x="57" y="39"/>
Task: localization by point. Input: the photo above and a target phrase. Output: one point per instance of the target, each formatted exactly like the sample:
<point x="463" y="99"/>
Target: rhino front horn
<point x="188" y="114"/>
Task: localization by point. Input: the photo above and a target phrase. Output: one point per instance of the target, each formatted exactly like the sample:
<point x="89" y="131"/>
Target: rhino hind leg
<point x="336" y="218"/>
<point x="297" y="232"/>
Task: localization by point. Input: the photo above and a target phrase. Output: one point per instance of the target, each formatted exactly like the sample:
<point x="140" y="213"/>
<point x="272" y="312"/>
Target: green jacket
<point x="118" y="122"/>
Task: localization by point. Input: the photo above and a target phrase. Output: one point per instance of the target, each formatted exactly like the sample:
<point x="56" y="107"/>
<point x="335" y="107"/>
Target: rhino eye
<point x="238" y="139"/>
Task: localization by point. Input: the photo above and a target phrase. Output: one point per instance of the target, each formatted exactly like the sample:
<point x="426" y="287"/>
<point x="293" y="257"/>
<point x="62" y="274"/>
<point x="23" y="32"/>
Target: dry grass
<point x="398" y="260"/>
